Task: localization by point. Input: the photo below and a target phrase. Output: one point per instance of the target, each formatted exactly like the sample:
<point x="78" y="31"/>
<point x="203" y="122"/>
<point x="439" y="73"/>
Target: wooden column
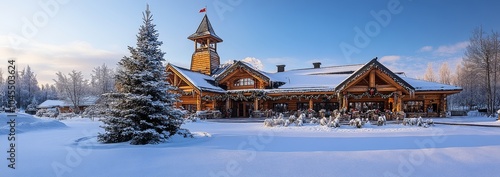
<point x="398" y="101"/>
<point x="345" y="101"/>
<point x="311" y="103"/>
<point x="228" y="104"/>
<point x="195" y="45"/>
<point x="256" y="104"/>
<point x="198" y="102"/>
<point x="443" y="105"/>
<point x="372" y="79"/>
<point x="244" y="110"/>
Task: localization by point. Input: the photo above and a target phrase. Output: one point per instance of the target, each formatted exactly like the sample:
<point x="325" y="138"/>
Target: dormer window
<point x="244" y="82"/>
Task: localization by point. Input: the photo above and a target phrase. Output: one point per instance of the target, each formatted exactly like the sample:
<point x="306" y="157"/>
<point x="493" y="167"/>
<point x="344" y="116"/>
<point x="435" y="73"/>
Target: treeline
<point x="72" y="87"/>
<point x="478" y="74"/>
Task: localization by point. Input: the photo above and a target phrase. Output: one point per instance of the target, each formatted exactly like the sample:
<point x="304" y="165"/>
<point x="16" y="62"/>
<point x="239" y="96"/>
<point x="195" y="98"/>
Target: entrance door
<point x="242" y="109"/>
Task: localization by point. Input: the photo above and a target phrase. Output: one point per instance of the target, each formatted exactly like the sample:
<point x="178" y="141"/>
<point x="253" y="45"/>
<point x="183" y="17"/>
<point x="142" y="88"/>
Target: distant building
<point x="240" y="89"/>
<point x="64" y="106"/>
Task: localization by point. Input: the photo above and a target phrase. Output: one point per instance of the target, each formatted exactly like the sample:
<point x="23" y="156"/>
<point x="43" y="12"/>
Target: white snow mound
<point x="25" y="123"/>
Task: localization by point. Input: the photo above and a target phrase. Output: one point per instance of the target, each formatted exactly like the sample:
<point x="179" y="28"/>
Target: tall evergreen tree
<point x="143" y="111"/>
<point x="28" y="86"/>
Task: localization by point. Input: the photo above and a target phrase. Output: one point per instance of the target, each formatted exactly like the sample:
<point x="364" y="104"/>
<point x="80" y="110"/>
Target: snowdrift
<point x="25" y="123"/>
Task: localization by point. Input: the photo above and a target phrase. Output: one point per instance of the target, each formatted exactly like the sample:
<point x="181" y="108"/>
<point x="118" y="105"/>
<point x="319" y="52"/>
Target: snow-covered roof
<point x="200" y="81"/>
<point x="52" y="103"/>
<point x="226" y="70"/>
<point x="332" y="78"/>
<point x="369" y="66"/>
<point x="421" y="85"/>
<point x="87" y="101"/>
<point x="325" y="78"/>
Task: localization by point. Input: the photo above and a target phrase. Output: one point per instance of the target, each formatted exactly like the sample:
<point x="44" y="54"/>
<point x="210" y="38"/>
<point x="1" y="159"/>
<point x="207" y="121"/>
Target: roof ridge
<point x="337" y="66"/>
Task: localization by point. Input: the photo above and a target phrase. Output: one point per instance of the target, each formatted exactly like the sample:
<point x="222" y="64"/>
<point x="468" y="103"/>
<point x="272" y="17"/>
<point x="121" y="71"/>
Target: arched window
<point x="244" y="82"/>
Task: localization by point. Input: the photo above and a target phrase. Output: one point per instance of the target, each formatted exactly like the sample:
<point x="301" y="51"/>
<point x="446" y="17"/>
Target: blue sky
<point x="61" y="35"/>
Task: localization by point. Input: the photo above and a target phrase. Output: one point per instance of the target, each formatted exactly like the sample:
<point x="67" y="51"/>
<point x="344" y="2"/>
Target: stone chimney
<point x="281" y="68"/>
<point x="317" y="64"/>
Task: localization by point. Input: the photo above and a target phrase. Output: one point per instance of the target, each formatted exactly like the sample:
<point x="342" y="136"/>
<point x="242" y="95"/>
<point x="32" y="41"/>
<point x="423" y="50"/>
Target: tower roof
<point x="205" y="30"/>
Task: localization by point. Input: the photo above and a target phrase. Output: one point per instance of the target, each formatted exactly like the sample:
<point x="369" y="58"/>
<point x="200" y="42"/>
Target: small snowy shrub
<point x="64" y="116"/>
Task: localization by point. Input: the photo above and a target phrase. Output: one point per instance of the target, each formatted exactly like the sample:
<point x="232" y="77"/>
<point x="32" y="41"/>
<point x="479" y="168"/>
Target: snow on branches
<point x="143" y="109"/>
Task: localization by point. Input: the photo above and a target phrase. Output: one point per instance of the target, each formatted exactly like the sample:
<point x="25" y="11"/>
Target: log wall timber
<point x="205" y="61"/>
<point x="380" y="88"/>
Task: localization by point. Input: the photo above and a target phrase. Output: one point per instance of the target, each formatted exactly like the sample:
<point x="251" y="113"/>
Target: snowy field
<point x="45" y="147"/>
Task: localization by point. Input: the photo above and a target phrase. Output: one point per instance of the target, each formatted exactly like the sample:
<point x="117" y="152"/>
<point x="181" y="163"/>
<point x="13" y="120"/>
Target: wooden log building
<point x="238" y="89"/>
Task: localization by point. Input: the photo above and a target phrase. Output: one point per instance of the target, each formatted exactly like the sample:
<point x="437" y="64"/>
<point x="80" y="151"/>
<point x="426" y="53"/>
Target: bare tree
<point x="73" y="88"/>
<point x="466" y="77"/>
<point x="102" y="80"/>
<point x="429" y="74"/>
<point x="481" y="55"/>
<point x="445" y="74"/>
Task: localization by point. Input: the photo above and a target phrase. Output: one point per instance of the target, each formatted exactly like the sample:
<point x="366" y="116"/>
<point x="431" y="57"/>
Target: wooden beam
<point x="389" y="80"/>
<point x="256" y="104"/>
<point x="398" y="101"/>
<point x="372" y="78"/>
<point x="198" y="102"/>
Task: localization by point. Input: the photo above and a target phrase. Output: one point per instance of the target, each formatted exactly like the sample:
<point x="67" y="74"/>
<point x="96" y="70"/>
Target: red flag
<point x="203" y="10"/>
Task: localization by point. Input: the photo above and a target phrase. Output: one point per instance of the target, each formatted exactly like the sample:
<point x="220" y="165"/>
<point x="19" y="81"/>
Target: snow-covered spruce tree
<point x="144" y="112"/>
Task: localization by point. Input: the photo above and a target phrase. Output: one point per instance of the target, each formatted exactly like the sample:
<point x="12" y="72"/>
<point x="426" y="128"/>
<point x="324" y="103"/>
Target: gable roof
<point x="205" y="30"/>
<point x="244" y="65"/>
<point x="319" y="79"/>
<point x="375" y="64"/>
<point x="200" y="81"/>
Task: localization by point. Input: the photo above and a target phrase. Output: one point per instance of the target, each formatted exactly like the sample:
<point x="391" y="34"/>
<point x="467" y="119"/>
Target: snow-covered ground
<point x="49" y="148"/>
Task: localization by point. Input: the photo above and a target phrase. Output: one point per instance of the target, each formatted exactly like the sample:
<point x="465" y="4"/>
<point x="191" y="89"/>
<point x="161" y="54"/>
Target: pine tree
<point x="143" y="112"/>
<point x="28" y="86"/>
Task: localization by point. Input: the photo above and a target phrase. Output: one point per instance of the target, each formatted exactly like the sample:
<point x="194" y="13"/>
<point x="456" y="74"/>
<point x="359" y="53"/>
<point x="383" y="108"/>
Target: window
<point x="189" y="107"/>
<point x="302" y="106"/>
<point x="328" y="106"/>
<point x="413" y="106"/>
<point x="244" y="82"/>
<point x="365" y="106"/>
<point x="280" y="107"/>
